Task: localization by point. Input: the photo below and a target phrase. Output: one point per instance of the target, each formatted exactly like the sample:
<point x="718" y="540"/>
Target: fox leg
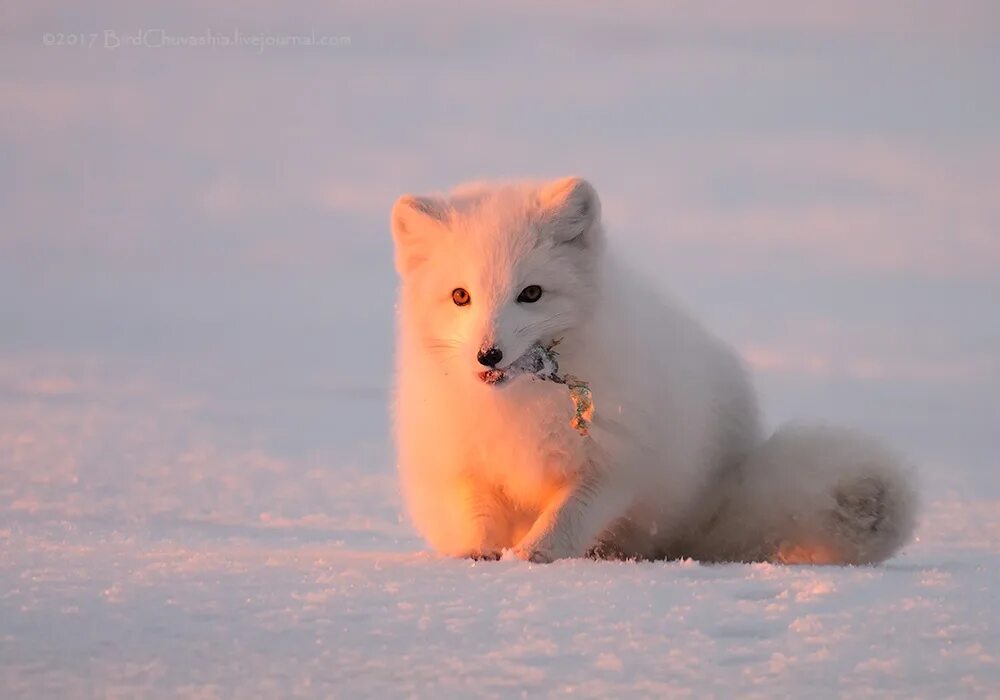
<point x="485" y="509"/>
<point x="459" y="515"/>
<point x="493" y="515"/>
<point x="572" y="522"/>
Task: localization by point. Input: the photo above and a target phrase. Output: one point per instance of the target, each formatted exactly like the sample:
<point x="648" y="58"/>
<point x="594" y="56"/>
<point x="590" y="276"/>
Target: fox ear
<point x="415" y="222"/>
<point x="571" y="209"/>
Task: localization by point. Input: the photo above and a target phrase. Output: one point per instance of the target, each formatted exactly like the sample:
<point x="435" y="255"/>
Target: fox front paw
<point x="547" y="548"/>
<point x="536" y="556"/>
<point x="483" y="555"/>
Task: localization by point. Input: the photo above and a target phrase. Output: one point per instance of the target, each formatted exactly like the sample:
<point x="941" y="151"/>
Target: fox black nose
<point x="490" y="356"/>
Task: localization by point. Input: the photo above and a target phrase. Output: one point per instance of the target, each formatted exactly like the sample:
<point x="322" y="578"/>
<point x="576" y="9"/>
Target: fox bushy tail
<point x="812" y="495"/>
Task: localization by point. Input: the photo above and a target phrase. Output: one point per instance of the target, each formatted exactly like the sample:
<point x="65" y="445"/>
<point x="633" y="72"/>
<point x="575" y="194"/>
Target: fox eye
<point x="460" y="297"/>
<point x="530" y="294"/>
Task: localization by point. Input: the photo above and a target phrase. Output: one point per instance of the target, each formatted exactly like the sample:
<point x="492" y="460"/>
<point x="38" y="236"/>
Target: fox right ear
<point x="572" y="209"/>
<point x="415" y="222"/>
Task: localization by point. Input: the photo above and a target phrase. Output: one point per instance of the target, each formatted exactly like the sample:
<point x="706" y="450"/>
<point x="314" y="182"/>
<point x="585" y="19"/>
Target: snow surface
<point x="146" y="552"/>
<point x="197" y="495"/>
<point x="248" y="615"/>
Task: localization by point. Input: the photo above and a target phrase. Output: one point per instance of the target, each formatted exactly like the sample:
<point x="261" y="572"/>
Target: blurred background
<point x="196" y="283"/>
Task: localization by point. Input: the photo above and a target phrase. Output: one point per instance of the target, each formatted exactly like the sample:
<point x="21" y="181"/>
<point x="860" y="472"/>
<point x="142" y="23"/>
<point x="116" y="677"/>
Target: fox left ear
<point x="572" y="210"/>
<point x="416" y="221"/>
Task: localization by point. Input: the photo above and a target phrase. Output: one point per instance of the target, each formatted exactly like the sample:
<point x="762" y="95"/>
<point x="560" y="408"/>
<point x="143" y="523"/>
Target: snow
<point x="197" y="492"/>
<point x="147" y="552"/>
<point x="89" y="610"/>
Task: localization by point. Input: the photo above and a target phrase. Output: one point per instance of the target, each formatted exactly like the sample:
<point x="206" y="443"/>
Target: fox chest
<point x="527" y="445"/>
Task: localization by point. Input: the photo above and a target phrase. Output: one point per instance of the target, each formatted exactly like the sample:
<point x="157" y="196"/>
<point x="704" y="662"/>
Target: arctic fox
<point x="673" y="463"/>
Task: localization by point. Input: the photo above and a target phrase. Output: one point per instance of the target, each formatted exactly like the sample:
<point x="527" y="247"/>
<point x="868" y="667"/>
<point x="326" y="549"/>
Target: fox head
<point x="490" y="270"/>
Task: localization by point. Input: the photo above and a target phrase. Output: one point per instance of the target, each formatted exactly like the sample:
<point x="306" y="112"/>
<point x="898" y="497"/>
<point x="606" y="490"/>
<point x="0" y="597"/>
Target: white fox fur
<point x="674" y="464"/>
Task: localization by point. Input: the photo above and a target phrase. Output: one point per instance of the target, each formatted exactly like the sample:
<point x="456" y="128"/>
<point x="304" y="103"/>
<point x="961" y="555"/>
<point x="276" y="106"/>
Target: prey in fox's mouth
<point x="538" y="362"/>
